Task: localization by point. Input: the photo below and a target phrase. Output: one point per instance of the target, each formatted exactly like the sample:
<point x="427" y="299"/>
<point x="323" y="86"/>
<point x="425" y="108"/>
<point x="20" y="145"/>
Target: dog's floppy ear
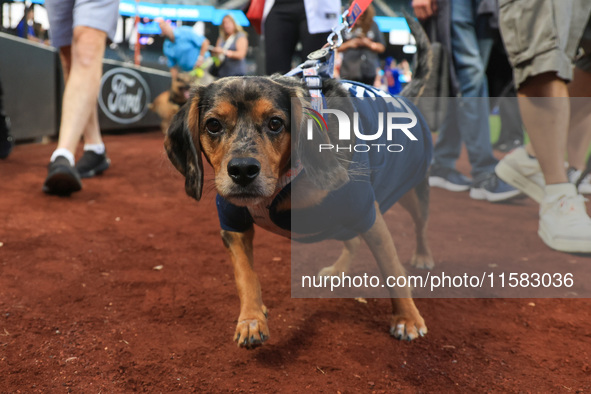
<point x="183" y="148"/>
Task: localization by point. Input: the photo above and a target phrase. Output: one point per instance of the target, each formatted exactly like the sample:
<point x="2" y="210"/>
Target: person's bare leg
<point x="91" y="133"/>
<point x="79" y="113"/>
<point x="66" y="60"/>
<point x="579" y="137"/>
<point x="545" y="110"/>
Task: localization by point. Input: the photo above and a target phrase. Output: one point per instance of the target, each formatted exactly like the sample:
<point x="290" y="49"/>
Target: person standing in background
<point x="543" y="38"/>
<point x="79" y="28"/>
<point x="361" y="48"/>
<point x="26" y="27"/>
<point x="285" y="22"/>
<point x="467" y="122"/>
<point x="231" y="48"/>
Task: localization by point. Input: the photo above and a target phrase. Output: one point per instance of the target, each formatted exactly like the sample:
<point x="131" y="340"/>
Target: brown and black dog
<point x="245" y="129"/>
<point x="168" y="103"/>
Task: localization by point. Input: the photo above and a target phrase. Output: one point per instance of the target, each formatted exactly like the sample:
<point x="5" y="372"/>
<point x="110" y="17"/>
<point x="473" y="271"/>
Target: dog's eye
<point x="213" y="126"/>
<point x="275" y="125"/>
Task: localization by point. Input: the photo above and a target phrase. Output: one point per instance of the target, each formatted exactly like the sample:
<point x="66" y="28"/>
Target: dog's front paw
<point x="252" y="331"/>
<point x="329" y="271"/>
<point x="422" y="261"/>
<point x="408" y="327"/>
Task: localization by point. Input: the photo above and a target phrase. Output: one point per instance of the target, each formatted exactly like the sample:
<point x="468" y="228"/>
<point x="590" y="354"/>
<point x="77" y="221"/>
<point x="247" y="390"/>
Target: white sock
<point x="65" y="153"/>
<point x="99" y="149"/>
<point x="561" y="189"/>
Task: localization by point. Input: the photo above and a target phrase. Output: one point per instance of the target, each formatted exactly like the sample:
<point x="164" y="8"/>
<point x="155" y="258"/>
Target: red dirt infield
<point x="83" y="309"/>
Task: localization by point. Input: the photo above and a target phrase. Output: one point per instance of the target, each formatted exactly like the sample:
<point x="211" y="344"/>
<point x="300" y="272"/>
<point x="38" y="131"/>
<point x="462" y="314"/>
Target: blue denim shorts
<point x="65" y="15"/>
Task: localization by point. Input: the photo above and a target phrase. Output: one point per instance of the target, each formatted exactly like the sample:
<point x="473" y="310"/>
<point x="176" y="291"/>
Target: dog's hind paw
<point x="422" y="261"/>
<point x="251" y="333"/>
<point x="407" y="329"/>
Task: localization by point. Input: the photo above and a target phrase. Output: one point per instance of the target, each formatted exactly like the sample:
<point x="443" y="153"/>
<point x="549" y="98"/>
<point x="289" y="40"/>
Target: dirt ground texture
<point x="83" y="309"/>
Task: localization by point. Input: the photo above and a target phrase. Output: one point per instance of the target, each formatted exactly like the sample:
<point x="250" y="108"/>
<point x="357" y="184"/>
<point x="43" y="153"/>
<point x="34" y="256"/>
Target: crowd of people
<point x="542" y="67"/>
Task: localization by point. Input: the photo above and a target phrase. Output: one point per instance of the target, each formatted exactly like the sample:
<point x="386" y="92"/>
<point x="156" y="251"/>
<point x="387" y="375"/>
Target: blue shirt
<point x="184" y="51"/>
<point x="23" y="29"/>
<point x="374" y="176"/>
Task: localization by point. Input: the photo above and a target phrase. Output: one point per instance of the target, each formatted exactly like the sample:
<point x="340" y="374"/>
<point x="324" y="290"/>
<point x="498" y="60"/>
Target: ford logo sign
<point x="123" y="95"/>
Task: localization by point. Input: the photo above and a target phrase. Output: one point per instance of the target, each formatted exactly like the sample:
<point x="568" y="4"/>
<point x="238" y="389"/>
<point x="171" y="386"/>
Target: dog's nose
<point x="244" y="170"/>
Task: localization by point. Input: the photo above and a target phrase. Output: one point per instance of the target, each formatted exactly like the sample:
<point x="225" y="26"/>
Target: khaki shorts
<point x="546" y="35"/>
<point x="65" y="15"/>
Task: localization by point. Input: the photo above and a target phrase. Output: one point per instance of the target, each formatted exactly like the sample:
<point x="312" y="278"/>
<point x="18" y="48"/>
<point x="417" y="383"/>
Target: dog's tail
<point x="424" y="61"/>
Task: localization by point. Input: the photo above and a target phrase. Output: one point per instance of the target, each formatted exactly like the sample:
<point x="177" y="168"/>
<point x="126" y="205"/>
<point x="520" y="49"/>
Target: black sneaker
<point x="62" y="179"/>
<point x="91" y="164"/>
<point x="6" y="140"/>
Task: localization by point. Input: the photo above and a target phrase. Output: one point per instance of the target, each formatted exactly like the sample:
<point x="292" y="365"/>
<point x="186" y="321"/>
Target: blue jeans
<point x="467" y="121"/>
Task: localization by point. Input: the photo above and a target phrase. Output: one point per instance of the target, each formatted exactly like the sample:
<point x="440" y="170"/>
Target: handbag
<point x="214" y="69"/>
<point x="254" y="14"/>
<point x="433" y="103"/>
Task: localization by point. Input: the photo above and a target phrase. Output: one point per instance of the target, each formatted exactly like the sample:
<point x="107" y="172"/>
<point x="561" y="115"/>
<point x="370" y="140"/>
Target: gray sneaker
<point x="92" y="164"/>
<point x="490" y="188"/>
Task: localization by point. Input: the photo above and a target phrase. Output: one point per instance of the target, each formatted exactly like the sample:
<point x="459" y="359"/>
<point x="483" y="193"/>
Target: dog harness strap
<point x="320" y="63"/>
<point x="314" y="84"/>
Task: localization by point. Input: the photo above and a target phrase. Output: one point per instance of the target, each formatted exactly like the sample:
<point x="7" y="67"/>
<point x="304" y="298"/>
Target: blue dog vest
<point x="380" y="176"/>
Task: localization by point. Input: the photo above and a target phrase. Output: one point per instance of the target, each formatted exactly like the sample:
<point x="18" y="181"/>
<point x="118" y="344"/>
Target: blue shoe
<point x="491" y="188"/>
<point x="448" y="179"/>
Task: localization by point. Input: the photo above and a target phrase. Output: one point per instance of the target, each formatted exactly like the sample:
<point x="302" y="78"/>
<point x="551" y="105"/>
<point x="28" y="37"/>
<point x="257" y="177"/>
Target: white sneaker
<point x="564" y="223"/>
<point x="573" y="177"/>
<point x="523" y="173"/>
